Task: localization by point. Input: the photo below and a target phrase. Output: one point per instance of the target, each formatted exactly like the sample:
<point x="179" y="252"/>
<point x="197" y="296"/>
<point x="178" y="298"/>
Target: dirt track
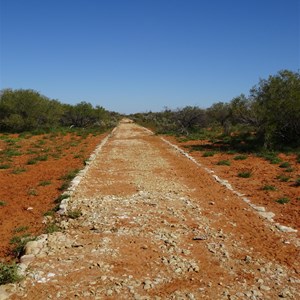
<point x="155" y="225"/>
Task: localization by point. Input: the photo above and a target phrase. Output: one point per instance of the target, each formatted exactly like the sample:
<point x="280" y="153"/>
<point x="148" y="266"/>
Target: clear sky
<point x="142" y="55"/>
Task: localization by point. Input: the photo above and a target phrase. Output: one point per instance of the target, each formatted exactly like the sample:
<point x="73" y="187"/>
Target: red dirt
<point x="25" y="199"/>
<point x="155" y="224"/>
<point x="263" y="173"/>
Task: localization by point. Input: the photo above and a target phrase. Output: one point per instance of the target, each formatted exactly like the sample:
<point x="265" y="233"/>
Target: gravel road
<point x="154" y="225"/>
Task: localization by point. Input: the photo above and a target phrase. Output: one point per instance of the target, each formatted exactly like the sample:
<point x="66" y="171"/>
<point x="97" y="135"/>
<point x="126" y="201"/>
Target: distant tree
<point x="79" y="115"/>
<point x="278" y="102"/>
<point x="26" y="110"/>
<point x="189" y="119"/>
<point x="245" y="111"/>
<point x="219" y="113"/>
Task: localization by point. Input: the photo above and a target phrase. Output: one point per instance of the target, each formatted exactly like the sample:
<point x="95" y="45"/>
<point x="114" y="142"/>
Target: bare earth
<point x="155" y="225"/>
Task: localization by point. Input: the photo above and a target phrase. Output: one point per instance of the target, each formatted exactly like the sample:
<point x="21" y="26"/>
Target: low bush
<point x="223" y="163"/>
<point x="283" y="200"/>
<point x="9" y="273"/>
<point x="245" y="174"/>
<point x="209" y="153"/>
<point x="74" y="214"/>
<point x="285" y="165"/>
<point x="240" y="157"/>
<point x="269" y="188"/>
<point x="283" y="178"/>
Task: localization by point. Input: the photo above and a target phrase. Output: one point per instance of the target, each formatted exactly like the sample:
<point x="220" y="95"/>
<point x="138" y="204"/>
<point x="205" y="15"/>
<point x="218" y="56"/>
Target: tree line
<point x="28" y="110"/>
<point x="270" y="114"/>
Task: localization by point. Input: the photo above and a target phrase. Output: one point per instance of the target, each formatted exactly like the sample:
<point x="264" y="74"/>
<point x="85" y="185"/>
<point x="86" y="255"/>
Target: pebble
<point x="264" y="288"/>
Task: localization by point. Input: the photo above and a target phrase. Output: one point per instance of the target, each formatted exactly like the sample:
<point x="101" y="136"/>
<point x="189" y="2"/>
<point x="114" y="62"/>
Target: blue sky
<point x="140" y="55"/>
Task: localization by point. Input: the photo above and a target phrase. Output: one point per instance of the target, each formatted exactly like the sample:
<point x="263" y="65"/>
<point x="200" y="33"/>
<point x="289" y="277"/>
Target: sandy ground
<point x="155" y="225"/>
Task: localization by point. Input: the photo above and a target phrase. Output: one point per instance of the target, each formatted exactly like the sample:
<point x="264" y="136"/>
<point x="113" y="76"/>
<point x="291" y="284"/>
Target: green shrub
<point x="275" y="160"/>
<point x="42" y="158"/>
<point x="240" y="157"/>
<point x="2" y="203"/>
<point x="61" y="197"/>
<point x="9" y="273"/>
<point x="44" y="183"/>
<point x="11" y="152"/>
<point x="32" y="192"/>
<point x="19" y="243"/>
<point x="283" y="178"/>
<point x="64" y="186"/>
<point x="74" y="214"/>
<point x="49" y="213"/>
<point x="4" y="166"/>
<point x="231" y="152"/>
<point x="31" y="161"/>
<point x="209" y="153"/>
<point x="70" y="175"/>
<point x="269" y="188"/>
<point x="282" y="200"/>
<point x="223" y="163"/>
<point x="20" y="229"/>
<point x="285" y="165"/>
<point x="297" y="182"/>
<point x="245" y="174"/>
<point x="52" y="227"/>
<point x="18" y="170"/>
<point x="271" y="157"/>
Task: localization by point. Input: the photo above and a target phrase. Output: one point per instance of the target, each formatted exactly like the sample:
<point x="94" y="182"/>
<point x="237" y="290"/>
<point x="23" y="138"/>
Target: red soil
<point x="262" y="173"/>
<point x="29" y="190"/>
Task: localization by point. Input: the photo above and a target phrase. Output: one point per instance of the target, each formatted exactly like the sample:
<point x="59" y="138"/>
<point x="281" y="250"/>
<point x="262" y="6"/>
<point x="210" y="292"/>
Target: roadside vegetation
<point x="43" y="144"/>
<point x="254" y="140"/>
<point x="267" y="120"/>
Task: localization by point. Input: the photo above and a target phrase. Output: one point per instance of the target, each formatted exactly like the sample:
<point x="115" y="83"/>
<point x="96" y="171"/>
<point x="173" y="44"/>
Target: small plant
<point x="208" y="153"/>
<point x="269" y="188"/>
<point x="245" y="174"/>
<point x="44" y="183"/>
<point x="18" y="170"/>
<point x="288" y="170"/>
<point x="240" y="157"/>
<point x="61" y="197"/>
<point x="41" y="142"/>
<point x="70" y="175"/>
<point x="283" y="200"/>
<point x="2" y="203"/>
<point x="283" y="178"/>
<point x="4" y="166"/>
<point x="64" y="186"/>
<point x="74" y="214"/>
<point x="11" y="152"/>
<point x="20" y="229"/>
<point x="297" y="182"/>
<point x="285" y="165"/>
<point x="231" y="152"/>
<point x="19" y="243"/>
<point x="223" y="163"/>
<point x="49" y="213"/>
<point x="31" y="161"/>
<point x="42" y="158"/>
<point x="275" y="160"/>
<point x="271" y="157"/>
<point x="9" y="273"/>
<point x="32" y="192"/>
<point x="52" y="227"/>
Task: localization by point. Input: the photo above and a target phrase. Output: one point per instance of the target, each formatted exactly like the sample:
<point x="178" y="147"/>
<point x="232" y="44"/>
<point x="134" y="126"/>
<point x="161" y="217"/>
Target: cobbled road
<point x="155" y="225"/>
